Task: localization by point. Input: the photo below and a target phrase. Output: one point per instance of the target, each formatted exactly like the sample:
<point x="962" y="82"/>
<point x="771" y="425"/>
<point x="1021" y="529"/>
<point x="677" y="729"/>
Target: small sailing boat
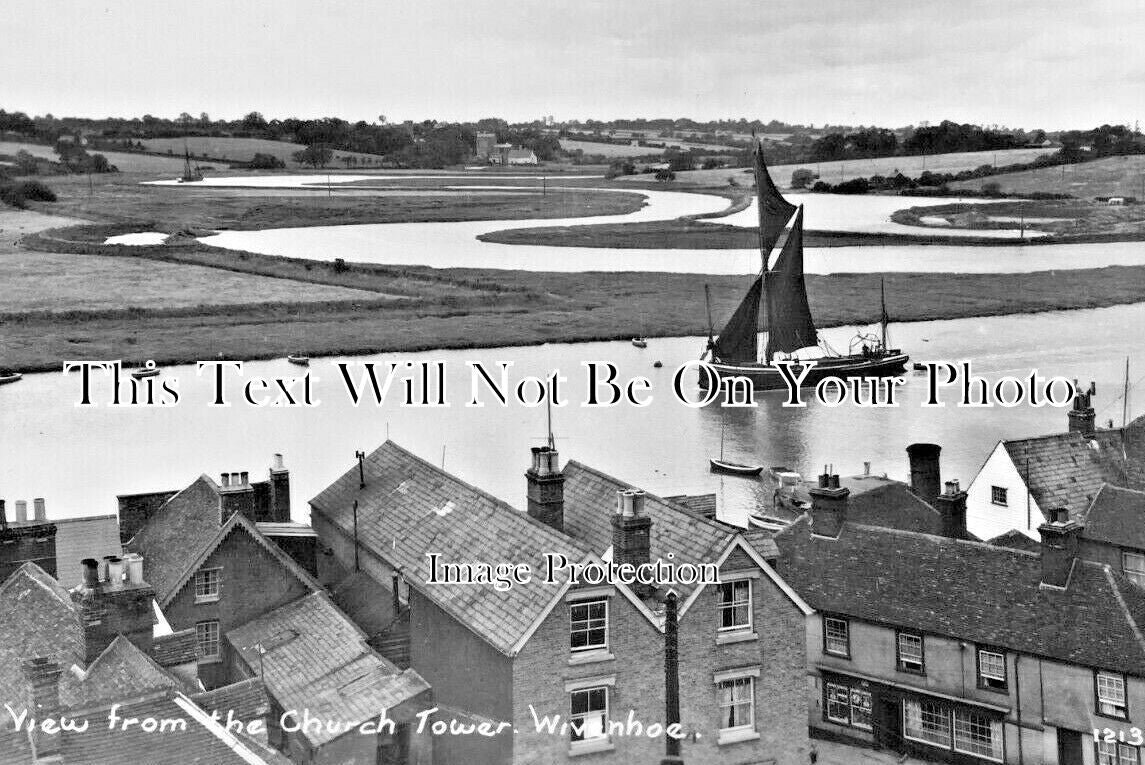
<point x="147" y="370"/>
<point x="790" y="327"/>
<point x="734" y="468"/>
<point x="299" y="359"/>
<point x="190" y="175"/>
<point x="10" y="377"/>
<point x="640" y="341"/>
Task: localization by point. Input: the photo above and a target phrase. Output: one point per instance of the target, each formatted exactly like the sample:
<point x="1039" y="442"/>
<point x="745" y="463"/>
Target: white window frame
<point x="964" y="725"/>
<point x="846" y="652"/>
<point x="201" y="640"/>
<point x="943" y="712"/>
<point x="904" y="663"/>
<point x="595" y="742"/>
<point x="985" y="677"/>
<point x="1113" y="753"/>
<point x="1115" y="702"/>
<point x="744" y="731"/>
<point x="587" y="621"/>
<point x="1005" y="496"/>
<point x="850" y="705"/>
<point x="1135" y="573"/>
<point x="734" y="604"/>
<point x="204" y="593"/>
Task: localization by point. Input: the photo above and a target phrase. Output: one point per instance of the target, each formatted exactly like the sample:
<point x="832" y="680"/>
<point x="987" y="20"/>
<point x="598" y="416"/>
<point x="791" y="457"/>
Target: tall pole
<point x="1125" y="396"/>
<point x="356" y="567"/>
<point x="883" y="319"/>
<point x="671" y="682"/>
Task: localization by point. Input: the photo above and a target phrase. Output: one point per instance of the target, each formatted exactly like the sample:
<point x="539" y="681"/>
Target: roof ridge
<point x="33" y="571"/>
<point x="936" y="537"/>
<point x="1124" y="606"/>
<point x="1063" y="434"/>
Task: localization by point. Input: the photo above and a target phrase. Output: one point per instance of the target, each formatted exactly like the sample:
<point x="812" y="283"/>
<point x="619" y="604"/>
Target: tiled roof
<point x="79" y="538"/>
<point x="590" y="501"/>
<point x="1067" y="470"/>
<point x="880" y="502"/>
<point x="247" y="699"/>
<point x="703" y="505"/>
<point x="1016" y="540"/>
<point x="176" y="648"/>
<point x="410" y="508"/>
<point x="313" y="657"/>
<point x="1116" y="516"/>
<point x="970" y="591"/>
<point x="122" y="671"/>
<point x="37" y="619"/>
<point x="177" y="533"/>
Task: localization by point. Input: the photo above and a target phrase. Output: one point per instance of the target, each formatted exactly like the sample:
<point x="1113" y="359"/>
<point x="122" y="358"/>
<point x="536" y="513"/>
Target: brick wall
<point x="253" y="583"/>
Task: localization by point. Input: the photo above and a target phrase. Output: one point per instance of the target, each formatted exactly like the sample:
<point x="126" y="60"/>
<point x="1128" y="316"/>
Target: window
<point x="977" y="734"/>
<point x="963" y="730"/>
<point x="735" y="605"/>
<point x="836" y="637"/>
<point x="848" y="705"/>
<point x="207" y="583"/>
<point x="207" y="634"/>
<point x="998" y="495"/>
<point x="1114" y="753"/>
<point x="909" y="652"/>
<point x="588" y="627"/>
<point x="1133" y="564"/>
<point x="737" y="703"/>
<point x="1111" y="694"/>
<point x="589" y="719"/>
<point x="991" y="669"/>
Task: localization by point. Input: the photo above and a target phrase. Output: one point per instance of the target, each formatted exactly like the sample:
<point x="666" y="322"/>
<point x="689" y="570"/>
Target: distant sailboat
<point x="190" y="175"/>
<point x="735" y="468"/>
<point x="734" y="353"/>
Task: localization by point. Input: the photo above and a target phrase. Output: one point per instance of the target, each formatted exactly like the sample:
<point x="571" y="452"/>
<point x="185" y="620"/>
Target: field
<point x="244" y="149"/>
<point x="835" y="172"/>
<point x="125" y="161"/>
<point x="610" y="149"/>
<point x="1110" y="177"/>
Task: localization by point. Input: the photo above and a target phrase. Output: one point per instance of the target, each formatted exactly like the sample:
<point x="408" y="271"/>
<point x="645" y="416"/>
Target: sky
<point x="1047" y="63"/>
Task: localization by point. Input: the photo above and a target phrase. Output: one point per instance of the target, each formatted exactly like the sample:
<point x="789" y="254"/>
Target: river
<point x="80" y="458"/>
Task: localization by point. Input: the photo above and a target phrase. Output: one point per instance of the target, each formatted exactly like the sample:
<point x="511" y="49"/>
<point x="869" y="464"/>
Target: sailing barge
<point x="734" y="353"/>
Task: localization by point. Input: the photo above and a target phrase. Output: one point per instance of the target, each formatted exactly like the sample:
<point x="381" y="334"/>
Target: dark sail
<point x="789" y="323"/>
<point x="774" y="210"/>
<point x="737" y="341"/>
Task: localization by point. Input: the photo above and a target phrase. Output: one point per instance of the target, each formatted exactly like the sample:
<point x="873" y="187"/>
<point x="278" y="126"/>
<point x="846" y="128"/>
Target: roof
<point x="703" y="505"/>
<point x="882" y="502"/>
<point x="1016" y="540"/>
<point x="246" y="699"/>
<point x="410" y="507"/>
<point x="121" y="672"/>
<point x="286" y="529"/>
<point x="37" y="619"/>
<point x="314" y="657"/>
<point x="1116" y="516"/>
<point x="365" y="601"/>
<point x="970" y="591"/>
<point x="176" y="533"/>
<point x="590" y="501"/>
<point x="176" y="648"/>
<point x="78" y="538"/>
<point x="1067" y="470"/>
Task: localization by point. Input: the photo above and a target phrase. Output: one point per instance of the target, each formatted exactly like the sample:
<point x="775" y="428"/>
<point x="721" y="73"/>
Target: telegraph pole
<point x="671" y="682"/>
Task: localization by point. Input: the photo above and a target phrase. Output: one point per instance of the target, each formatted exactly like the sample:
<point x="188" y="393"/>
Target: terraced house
<point x="953" y="649"/>
<point x="589" y="658"/>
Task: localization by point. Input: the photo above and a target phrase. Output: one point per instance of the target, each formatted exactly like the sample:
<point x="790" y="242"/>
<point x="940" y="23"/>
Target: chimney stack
<point x="119" y="605"/>
<point x="925" y="476"/>
<point x="1059" y="547"/>
<point x="21" y="510"/>
<point x="41" y="513"/>
<point x="1082" y="419"/>
<point x="951" y="506"/>
<point x="236" y="495"/>
<point x="279" y="491"/>
<point x="545" y="488"/>
<point x="828" y="505"/>
<point x="3" y="515"/>
<point x="631" y="529"/>
<point x="43" y="674"/>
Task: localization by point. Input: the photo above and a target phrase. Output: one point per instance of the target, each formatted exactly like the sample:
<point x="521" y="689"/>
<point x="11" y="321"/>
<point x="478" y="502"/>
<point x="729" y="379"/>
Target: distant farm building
<point x="485" y="145"/>
<point x="507" y="154"/>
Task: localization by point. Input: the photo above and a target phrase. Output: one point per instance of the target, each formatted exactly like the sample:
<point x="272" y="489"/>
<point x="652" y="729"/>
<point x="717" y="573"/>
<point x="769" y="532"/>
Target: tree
<point x="315" y="155"/>
<point x="262" y="161"/>
<point x="802" y="178"/>
<point x="253" y="122"/>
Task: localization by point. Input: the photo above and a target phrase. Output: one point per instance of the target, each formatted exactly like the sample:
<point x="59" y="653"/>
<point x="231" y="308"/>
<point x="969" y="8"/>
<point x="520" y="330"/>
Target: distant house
<point x="586" y="653"/>
<point x="57" y="545"/>
<point x="1116" y="201"/>
<point x="522" y="157"/>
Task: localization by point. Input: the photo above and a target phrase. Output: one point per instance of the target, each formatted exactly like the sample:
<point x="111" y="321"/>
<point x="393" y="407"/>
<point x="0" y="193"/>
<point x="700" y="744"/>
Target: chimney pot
<point x="21" y="510"/>
<point x="244" y="478"/>
<point x="833" y="481"/>
<point x="41" y="513"/>
<point x="278" y="463"/>
<point x="90" y="568"/>
<point x="115" y="570"/>
<point x="824" y="480"/>
<point x="866" y="468"/>
<point x="225" y="479"/>
<point x="133" y="562"/>
<point x="637" y="502"/>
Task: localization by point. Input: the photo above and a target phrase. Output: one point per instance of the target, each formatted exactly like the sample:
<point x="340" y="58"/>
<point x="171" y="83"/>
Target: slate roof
<point x="1016" y="540"/>
<point x="703" y="505"/>
<point x="315" y="658"/>
<point x="590" y="501"/>
<point x="1116" y="516"/>
<point x="881" y="502"/>
<point x="176" y="648"/>
<point x="970" y="591"/>
<point x="410" y="507"/>
<point x="78" y="538"/>
<point x="122" y="671"/>
<point x="247" y="699"/>
<point x="1067" y="470"/>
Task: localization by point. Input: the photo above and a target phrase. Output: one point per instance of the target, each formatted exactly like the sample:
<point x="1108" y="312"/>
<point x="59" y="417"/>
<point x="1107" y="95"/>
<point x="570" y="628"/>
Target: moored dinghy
<point x="10" y="377"/>
<point x="299" y="359"/>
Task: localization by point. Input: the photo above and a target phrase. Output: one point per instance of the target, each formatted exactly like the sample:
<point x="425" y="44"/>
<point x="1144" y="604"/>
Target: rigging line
<point x="1119" y="397"/>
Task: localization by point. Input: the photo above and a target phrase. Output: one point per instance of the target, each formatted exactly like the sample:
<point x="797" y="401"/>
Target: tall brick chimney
<point x="43" y="674"/>
<point x="546" y="488"/>
<point x="236" y="495"/>
<point x="279" y="491"/>
<point x="828" y="506"/>
<point x="925" y="476"/>
<point x="951" y="506"/>
<point x="120" y="604"/>
<point x="631" y="529"/>
<point x="1059" y="547"/>
<point x="1082" y="419"/>
<point x="3" y="515"/>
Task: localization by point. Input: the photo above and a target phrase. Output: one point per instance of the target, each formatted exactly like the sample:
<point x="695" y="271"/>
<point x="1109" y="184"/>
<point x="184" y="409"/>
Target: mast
<point x="711" y="326"/>
<point x="884" y="319"/>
